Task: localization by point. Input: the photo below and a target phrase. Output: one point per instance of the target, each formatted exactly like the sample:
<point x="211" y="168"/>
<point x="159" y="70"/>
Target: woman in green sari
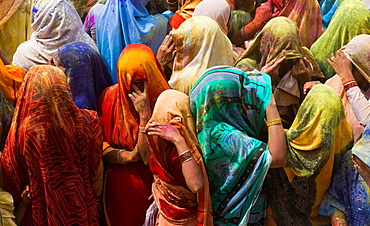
<point x="229" y="107"/>
<point x="352" y="18"/>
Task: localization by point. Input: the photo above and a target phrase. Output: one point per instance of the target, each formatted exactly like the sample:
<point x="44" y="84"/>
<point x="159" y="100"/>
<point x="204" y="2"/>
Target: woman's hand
<point x="308" y="85"/>
<point x="165" y="131"/>
<point x="302" y="70"/>
<point x="362" y="168"/>
<point x="141" y="101"/>
<point x="166" y="52"/>
<point x="342" y="66"/>
<point x="26" y="195"/>
<point x="272" y="67"/>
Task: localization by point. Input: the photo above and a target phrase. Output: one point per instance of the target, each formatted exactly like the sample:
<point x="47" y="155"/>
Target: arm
<point x="276" y="137"/>
<point x="190" y="169"/>
<point x="21" y="210"/>
<point x="359" y="104"/>
<point x="338" y="218"/>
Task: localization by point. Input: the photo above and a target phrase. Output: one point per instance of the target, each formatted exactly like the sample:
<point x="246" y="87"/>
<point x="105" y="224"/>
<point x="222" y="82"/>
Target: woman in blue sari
<point x="87" y="73"/>
<point x="125" y="22"/>
<point x="229" y="107"/>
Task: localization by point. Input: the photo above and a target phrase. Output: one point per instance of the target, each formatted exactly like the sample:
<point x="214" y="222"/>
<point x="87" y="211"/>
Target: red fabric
<point x="176" y="20"/>
<point x="128" y="187"/>
<point x="54" y="147"/>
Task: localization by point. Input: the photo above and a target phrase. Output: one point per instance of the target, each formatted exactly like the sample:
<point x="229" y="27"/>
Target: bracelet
<point x="119" y="157"/>
<point x="349" y="81"/>
<point x="349" y="85"/>
<point x="339" y="222"/>
<point x="186" y="156"/>
<point x="142" y="129"/>
<point x="273" y="122"/>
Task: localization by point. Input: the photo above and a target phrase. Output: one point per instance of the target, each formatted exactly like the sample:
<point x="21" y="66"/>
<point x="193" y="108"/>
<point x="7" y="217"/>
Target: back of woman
<point x="54" y="147"/>
<point x="317" y="140"/>
<point x="352" y="18"/>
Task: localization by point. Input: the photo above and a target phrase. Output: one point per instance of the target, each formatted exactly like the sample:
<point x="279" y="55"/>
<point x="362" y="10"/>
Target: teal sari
<point x="229" y="108"/>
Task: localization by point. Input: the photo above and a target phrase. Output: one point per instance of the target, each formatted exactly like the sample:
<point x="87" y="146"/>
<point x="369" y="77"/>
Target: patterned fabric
<point x="6" y="115"/>
<point x="200" y="44"/>
<point x="125" y="22"/>
<point x="129" y="183"/>
<point x="317" y="141"/>
<point x="173" y="107"/>
<point x="55" y="147"/>
<point x="87" y="74"/>
<point x="219" y="10"/>
<point x="351" y="19"/>
<point x="229" y="108"/>
<point x="279" y="38"/>
<point x="56" y="23"/>
<point x="306" y="15"/>
<point x="11" y="79"/>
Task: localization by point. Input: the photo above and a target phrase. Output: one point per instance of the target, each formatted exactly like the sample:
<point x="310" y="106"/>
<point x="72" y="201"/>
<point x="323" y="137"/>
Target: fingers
<point x="145" y="87"/>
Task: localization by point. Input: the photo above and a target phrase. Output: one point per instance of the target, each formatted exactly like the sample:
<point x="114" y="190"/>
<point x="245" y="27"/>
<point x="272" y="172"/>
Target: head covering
<point x="238" y="19"/>
<point x="200" y="44"/>
<point x="328" y="8"/>
<point x="55" y="147"/>
<point x="11" y="79"/>
<point x="56" y="23"/>
<point x="219" y="10"/>
<point x="351" y="19"/>
<point x="349" y="192"/>
<point x="317" y="141"/>
<point x="229" y="108"/>
<point x="87" y="74"/>
<point x="173" y="107"/>
<point x="125" y="22"/>
<point x="306" y="15"/>
<point x="7" y="9"/>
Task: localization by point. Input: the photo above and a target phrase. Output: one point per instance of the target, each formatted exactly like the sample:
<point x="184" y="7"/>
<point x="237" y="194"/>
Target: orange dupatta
<point x="11" y="80"/>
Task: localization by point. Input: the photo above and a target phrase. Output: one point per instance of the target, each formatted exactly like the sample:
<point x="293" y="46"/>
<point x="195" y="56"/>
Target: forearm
<point x="21" y="211"/>
<point x="360" y="105"/>
<point x="190" y="169"/>
<point x="120" y="156"/>
<point x="276" y="139"/>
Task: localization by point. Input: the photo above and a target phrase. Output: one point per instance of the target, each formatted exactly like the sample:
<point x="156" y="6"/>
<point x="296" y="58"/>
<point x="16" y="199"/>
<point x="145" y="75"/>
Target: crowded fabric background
<point x="185" y="112"/>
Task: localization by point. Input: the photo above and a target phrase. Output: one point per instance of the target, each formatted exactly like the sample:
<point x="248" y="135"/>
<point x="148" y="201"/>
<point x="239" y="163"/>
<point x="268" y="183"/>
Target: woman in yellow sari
<point x="318" y="139"/>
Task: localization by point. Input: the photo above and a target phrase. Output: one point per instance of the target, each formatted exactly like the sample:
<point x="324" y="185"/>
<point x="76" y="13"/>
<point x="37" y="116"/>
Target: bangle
<point x="349" y="81"/>
<point x="142" y="129"/>
<point x="119" y="156"/>
<point x="273" y="122"/>
<point x="349" y="85"/>
<point x="186" y="156"/>
<point x="339" y="222"/>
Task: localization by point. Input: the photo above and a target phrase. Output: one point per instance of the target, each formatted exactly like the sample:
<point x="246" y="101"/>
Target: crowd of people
<point x="185" y="112"/>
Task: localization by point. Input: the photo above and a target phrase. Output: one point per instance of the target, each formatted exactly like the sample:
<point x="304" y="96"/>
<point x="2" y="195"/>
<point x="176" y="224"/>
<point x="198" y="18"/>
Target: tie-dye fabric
<point x="317" y="141"/>
<point x="352" y="18"/>
<point x="125" y="22"/>
<point x="87" y="73"/>
<point x="229" y="109"/>
<point x="54" y="147"/>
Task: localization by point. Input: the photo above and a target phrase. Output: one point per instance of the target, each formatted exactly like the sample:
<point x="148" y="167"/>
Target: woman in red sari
<point x="180" y="187"/>
<point x="54" y="147"/>
<point x="128" y="178"/>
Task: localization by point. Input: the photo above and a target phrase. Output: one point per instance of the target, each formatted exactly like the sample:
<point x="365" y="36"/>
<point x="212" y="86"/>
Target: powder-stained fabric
<point x="125" y="22"/>
<point x="87" y="73"/>
<point x="352" y="18"/>
<point x="11" y="80"/>
<point x="129" y="183"/>
<point x="200" y="44"/>
<point x="54" y="147"/>
<point x="229" y="109"/>
<point x="185" y="208"/>
<point x="317" y="141"/>
<point x="56" y="23"/>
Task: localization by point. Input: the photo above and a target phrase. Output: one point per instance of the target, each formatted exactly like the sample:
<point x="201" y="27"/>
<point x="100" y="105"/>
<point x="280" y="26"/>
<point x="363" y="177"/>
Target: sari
<point x="54" y="147"/>
<point x="279" y="38"/>
<point x="352" y="18"/>
<point x="11" y="80"/>
<point x="56" y="23"/>
<point x="328" y="8"/>
<point x="185" y="208"/>
<point x="317" y="141"/>
<point x="130" y="183"/>
<point x="349" y="192"/>
<point x="87" y="74"/>
<point x="80" y="6"/>
<point x="125" y="22"/>
<point x="92" y="19"/>
<point x="200" y="44"/>
<point x="229" y="109"/>
<point x="218" y="10"/>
